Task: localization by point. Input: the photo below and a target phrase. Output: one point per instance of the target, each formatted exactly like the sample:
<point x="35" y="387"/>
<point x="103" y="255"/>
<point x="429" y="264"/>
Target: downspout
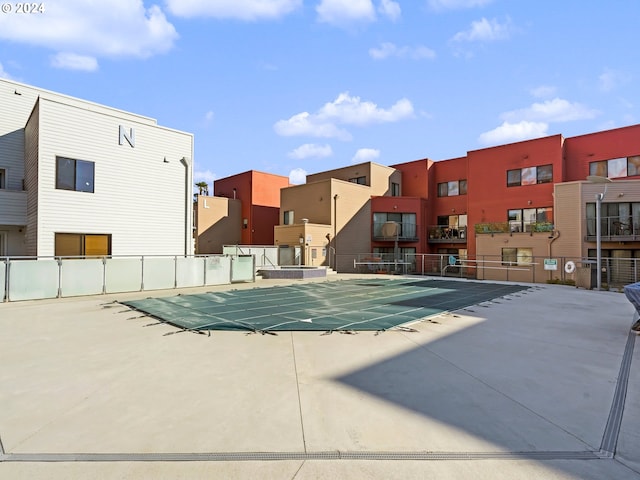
<point x="555" y="234"/>
<point x="188" y="214"/>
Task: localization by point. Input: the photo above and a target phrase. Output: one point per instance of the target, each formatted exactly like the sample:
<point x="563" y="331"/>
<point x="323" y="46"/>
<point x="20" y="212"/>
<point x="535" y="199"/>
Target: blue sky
<point x="295" y="86"/>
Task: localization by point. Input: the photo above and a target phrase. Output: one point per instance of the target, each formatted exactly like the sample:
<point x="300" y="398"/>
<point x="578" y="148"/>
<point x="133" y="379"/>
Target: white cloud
<point x="117" y="28"/>
<point x="543" y="91"/>
<point x="611" y="79"/>
<point x="388" y="49"/>
<point x="204" y="176"/>
<point x="248" y="10"/>
<point x="310" y="125"/>
<point x="365" y="155"/>
<point x="345" y="12"/>
<point x="297" y="176"/>
<point x="4" y="73"/>
<point x="311" y="150"/>
<point x="72" y="61"/>
<point x="208" y="117"/>
<point x="344" y="110"/>
<point x="353" y="111"/>
<point x="484" y="31"/>
<point x="514" y="132"/>
<point x="556" y="110"/>
<point x="455" y="4"/>
<point x="390" y="9"/>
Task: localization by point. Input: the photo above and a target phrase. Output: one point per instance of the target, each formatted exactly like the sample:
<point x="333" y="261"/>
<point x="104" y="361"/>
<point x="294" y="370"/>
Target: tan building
<point x="572" y="238"/>
<point x="218" y="222"/>
<point x="331" y="214"/>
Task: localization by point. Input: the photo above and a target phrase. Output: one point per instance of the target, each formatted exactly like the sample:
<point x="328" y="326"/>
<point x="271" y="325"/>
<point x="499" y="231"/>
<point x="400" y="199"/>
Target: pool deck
<point x="542" y="384"/>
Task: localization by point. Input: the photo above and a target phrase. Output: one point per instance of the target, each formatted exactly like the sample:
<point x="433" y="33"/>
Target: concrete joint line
<point x="614" y="422"/>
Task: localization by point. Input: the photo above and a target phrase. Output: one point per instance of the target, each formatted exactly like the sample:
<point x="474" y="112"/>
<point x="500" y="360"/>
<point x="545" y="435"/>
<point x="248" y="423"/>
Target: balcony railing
<point x="406" y="232"/>
<point x="616" y="229"/>
<point x="512" y="227"/>
<point x="447" y="234"/>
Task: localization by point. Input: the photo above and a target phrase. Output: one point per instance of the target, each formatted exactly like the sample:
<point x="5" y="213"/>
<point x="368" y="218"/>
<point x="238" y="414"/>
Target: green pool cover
<point x="345" y="305"/>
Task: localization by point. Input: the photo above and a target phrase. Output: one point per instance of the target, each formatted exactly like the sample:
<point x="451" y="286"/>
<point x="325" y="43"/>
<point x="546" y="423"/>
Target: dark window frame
<point x="443" y="188"/>
<point x="514" y="177"/>
<point x="66" y="166"/>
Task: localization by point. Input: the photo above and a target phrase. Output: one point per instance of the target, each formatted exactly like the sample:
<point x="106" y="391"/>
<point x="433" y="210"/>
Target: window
<point x="530" y="175"/>
<point x="452" y="189"/>
<point x="406" y="222"/>
<point x="288" y="217"/>
<point x="524" y="219"/>
<point x="75" y="175"/>
<point x="359" y="180"/>
<point x="82" y="244"/>
<point x="3" y="178"/>
<point x="545" y="174"/>
<point x="616" y="167"/>
<point x="616" y="218"/>
<point x="395" y="189"/>
<point x="517" y="256"/>
<point x="513" y="178"/>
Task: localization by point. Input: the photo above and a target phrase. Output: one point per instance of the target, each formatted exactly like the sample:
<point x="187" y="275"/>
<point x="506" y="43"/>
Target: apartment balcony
<point x="512" y="227"/>
<point x="614" y="229"/>
<point x="447" y="234"/>
<point x="387" y="232"/>
<point x="13" y="207"/>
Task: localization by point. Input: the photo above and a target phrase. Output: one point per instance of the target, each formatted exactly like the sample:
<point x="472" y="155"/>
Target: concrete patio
<point x="540" y="384"/>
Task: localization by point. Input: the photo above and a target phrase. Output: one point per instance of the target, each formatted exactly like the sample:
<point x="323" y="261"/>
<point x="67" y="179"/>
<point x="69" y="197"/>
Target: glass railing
<point x="614" y="227"/>
<point x="447" y="233"/>
<point x="403" y="231"/>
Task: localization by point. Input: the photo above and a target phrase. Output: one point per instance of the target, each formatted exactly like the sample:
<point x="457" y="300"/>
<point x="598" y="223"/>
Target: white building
<point x="78" y="178"/>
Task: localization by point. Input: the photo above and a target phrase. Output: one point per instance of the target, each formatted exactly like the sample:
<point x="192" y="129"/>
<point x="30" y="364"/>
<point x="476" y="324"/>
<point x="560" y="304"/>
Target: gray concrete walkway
<point x="527" y="386"/>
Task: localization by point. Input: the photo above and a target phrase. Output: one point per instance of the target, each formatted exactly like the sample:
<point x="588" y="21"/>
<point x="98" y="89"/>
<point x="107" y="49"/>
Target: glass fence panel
<point x="33" y="279"/>
<point x="242" y="268"/>
<point x="189" y="272"/>
<point x="218" y="270"/>
<point x="123" y="275"/>
<point x="3" y="273"/>
<point x="158" y="273"/>
<point x="271" y="257"/>
<point x="229" y="250"/>
<point x="81" y="277"/>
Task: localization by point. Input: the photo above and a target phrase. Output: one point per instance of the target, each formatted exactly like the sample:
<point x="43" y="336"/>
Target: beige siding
<point x="219" y="223"/>
<point x="138" y="198"/>
<point x="569" y="214"/>
<point x="489" y="255"/>
<point x="312" y="201"/>
<point x="378" y="177"/>
<point x="31" y="175"/>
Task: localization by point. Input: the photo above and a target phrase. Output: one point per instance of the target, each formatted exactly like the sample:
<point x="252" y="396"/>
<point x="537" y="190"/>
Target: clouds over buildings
<point x="484" y="30"/>
<point x="533" y="121"/>
<point x="345" y="13"/>
<point x="311" y="150"/>
<point x="248" y="10"/>
<point x="365" y="155"/>
<point x="345" y="110"/>
<point x="457" y="4"/>
<point x="388" y="50"/>
<point x="83" y="31"/>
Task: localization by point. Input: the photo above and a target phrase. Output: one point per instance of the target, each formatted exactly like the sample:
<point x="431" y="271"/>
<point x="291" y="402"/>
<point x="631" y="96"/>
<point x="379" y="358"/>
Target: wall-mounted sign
<point x="550" y="263"/>
<point x="127" y="136"/>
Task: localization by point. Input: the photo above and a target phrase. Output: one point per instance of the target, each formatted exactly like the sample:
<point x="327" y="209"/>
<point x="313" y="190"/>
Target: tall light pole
<point x="599" y="198"/>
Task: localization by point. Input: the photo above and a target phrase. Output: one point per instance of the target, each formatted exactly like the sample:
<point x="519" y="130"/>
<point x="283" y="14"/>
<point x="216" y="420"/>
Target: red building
<point x="259" y="194"/>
